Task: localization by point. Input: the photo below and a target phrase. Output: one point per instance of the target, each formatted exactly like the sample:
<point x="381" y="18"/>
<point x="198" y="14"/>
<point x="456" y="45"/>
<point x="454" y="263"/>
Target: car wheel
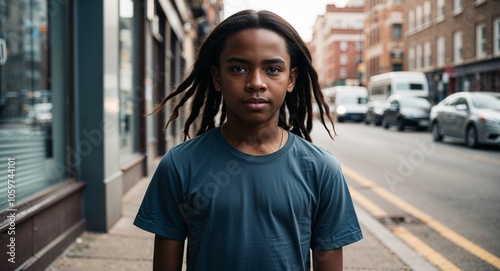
<point x="471" y="137"/>
<point x="385" y="124"/>
<point x="400" y="124"/>
<point x="436" y="132"/>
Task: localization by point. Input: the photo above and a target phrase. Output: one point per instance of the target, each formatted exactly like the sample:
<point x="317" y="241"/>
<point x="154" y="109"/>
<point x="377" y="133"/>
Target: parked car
<point x="471" y="116"/>
<point x="407" y="111"/>
<point x="374" y="112"/>
<point x="347" y="102"/>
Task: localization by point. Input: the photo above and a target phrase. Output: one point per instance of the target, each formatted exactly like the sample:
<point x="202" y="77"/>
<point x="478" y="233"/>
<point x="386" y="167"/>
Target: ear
<point x="214" y="71"/>
<point x="292" y="79"/>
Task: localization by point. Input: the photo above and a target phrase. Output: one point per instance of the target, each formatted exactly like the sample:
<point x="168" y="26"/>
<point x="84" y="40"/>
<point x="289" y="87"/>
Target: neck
<point x="261" y="141"/>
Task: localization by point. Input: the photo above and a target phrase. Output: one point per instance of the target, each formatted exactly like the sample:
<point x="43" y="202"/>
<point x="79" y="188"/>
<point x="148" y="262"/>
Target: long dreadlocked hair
<point x="296" y="113"/>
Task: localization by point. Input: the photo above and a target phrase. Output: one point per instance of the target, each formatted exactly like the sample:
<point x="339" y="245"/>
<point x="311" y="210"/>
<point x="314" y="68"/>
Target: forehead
<point x="260" y="43"/>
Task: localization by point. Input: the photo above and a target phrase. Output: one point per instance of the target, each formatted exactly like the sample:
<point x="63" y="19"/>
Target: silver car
<point x="471" y="116"/>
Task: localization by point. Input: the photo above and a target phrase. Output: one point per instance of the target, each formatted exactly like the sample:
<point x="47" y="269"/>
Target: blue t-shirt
<point x="246" y="212"/>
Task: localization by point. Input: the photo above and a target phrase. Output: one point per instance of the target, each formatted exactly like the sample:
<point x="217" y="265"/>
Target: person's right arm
<point x="168" y="254"/>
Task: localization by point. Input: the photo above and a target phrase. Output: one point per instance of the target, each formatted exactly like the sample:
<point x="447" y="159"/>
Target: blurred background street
<point x="445" y="194"/>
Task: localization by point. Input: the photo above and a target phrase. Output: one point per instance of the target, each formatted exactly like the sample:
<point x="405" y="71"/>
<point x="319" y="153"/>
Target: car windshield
<point x="486" y="101"/>
<point x="415" y="102"/>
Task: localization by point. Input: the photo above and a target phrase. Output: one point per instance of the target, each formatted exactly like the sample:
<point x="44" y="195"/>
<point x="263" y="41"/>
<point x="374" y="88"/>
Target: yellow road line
<point x="432" y="255"/>
<point x="445" y="231"/>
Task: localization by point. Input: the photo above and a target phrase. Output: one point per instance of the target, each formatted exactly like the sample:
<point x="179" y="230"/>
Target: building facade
<point x="337" y="44"/>
<point x="384" y="39"/>
<point x="456" y="43"/>
<point x="77" y="80"/>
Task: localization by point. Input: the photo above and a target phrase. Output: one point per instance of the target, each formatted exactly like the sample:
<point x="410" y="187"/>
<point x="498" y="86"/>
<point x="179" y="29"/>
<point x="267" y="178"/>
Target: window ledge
<point x="479" y="2"/>
<point x="133" y="160"/>
<point x="37" y="203"/>
<point x="439" y="19"/>
<point x="482" y="56"/>
<point x="457" y="11"/>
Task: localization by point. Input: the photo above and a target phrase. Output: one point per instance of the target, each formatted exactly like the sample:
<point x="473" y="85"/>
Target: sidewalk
<point x="126" y="247"/>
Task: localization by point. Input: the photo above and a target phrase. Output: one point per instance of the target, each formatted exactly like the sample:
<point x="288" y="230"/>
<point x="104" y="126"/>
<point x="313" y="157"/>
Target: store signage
<point x="3" y="52"/>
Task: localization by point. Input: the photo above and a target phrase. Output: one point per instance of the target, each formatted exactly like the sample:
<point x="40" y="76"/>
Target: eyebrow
<point x="246" y="61"/>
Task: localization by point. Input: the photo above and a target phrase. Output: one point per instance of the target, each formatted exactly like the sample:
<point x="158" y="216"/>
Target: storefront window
<point x="26" y="107"/>
<point x="127" y="99"/>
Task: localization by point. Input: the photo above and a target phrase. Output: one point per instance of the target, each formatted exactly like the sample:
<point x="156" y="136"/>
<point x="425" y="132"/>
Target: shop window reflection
<point x="127" y="103"/>
<point x="26" y="110"/>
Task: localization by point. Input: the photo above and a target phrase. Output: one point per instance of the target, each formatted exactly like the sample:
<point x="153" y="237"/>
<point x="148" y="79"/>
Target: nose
<point x="256" y="81"/>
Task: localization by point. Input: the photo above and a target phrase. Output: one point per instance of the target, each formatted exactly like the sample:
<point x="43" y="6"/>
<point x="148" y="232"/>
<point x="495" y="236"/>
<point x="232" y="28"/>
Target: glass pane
<point x="25" y="98"/>
<point x="127" y="117"/>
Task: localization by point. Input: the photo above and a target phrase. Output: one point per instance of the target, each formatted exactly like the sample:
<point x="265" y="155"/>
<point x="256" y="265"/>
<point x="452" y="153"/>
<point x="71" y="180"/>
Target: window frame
<point x="427" y="12"/>
<point x="496" y="36"/>
<point x="418" y="56"/>
<point x="481" y="39"/>
<point x="458" y="46"/>
<point x="397" y="32"/>
<point x="411" y="58"/>
<point x="440" y="51"/>
<point x="343" y="59"/>
<point x="440" y="8"/>
<point x="427" y="54"/>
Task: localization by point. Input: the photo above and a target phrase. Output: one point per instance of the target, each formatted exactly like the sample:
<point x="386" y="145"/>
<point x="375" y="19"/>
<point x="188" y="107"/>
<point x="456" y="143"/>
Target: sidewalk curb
<point x="410" y="257"/>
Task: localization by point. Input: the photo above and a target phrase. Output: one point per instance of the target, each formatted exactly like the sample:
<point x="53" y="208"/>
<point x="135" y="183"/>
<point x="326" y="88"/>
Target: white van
<point x="347" y="102"/>
<point x="381" y="86"/>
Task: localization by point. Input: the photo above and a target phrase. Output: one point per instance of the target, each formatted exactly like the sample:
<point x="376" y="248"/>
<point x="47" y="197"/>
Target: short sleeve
<point x="160" y="211"/>
<point x="336" y="224"/>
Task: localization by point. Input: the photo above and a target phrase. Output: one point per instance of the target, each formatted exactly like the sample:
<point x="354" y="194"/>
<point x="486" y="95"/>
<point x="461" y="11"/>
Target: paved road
<point x="441" y="198"/>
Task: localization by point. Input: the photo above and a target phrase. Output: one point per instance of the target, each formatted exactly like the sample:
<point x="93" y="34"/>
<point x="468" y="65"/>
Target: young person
<point x="250" y="192"/>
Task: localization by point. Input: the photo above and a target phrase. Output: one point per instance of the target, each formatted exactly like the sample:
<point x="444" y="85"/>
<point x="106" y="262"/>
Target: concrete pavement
<point x="125" y="247"/>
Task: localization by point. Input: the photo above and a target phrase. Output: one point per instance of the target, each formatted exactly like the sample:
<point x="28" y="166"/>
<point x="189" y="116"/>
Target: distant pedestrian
<point x="250" y="192"/>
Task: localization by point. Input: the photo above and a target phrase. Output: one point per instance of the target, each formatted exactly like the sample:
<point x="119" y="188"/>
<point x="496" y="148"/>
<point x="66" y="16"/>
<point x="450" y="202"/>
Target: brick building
<point x="384" y="39"/>
<point x="337" y="44"/>
<point x="456" y="43"/>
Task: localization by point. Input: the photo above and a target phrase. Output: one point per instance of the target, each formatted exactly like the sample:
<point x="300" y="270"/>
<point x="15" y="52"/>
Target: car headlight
<point x="489" y="120"/>
<point x="341" y="110"/>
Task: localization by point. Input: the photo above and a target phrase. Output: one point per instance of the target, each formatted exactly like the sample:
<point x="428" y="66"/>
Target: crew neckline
<point x="254" y="158"/>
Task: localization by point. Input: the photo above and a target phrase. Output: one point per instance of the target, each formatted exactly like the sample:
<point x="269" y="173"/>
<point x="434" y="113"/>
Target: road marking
<point x="442" y="229"/>
<point x="432" y="255"/>
<point x="418" y="245"/>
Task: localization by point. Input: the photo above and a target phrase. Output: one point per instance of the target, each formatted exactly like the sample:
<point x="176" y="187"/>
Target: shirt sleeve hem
<point x="166" y="233"/>
<point x="341" y="242"/>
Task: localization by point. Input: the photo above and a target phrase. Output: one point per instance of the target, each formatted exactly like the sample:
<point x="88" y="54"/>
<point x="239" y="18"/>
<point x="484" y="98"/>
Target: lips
<point x="256" y="103"/>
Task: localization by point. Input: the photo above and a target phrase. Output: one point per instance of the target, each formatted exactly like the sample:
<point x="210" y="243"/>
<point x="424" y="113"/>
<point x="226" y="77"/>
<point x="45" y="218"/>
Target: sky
<point x="301" y="14"/>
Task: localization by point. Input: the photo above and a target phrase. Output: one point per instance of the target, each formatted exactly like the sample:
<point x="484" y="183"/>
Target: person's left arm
<point x="328" y="260"/>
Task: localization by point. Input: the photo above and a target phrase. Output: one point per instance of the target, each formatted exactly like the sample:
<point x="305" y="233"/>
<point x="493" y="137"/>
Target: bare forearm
<point x="328" y="260"/>
<point x="168" y="254"/>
